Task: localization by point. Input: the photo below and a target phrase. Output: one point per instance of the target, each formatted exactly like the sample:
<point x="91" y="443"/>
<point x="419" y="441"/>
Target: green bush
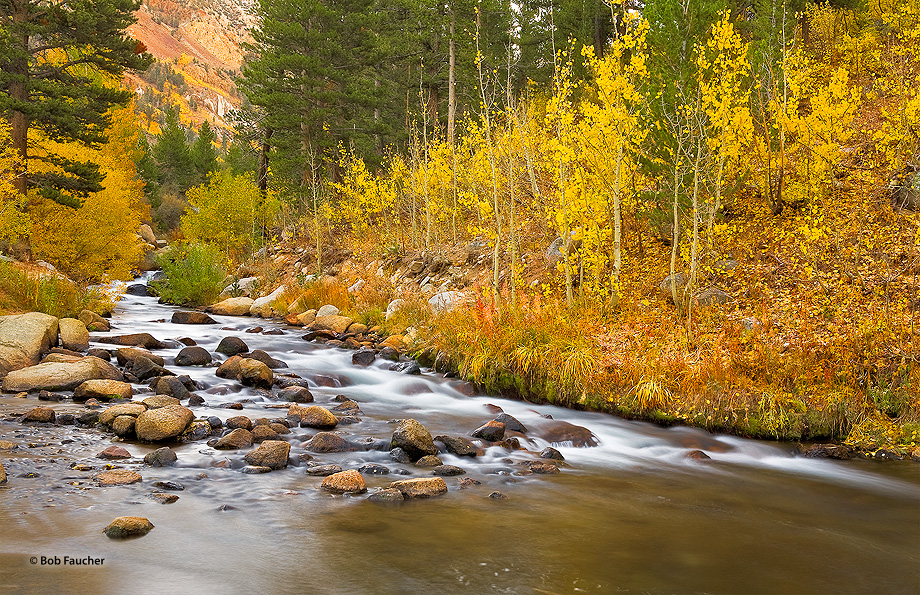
<point x="192" y="274"/>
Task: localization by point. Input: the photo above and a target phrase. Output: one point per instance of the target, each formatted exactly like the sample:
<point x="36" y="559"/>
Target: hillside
<point x="200" y="45"/>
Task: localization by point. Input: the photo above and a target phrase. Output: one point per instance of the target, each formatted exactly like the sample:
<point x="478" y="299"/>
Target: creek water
<point x="631" y="515"/>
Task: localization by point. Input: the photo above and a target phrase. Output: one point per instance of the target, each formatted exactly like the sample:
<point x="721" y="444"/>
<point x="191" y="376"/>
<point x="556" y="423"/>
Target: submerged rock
<point x="117" y="477"/>
<point x="128" y="526"/>
<point x="345" y="482"/>
<point x="161" y="457"/>
<point x="422" y="487"/>
<point x="387" y="496"/>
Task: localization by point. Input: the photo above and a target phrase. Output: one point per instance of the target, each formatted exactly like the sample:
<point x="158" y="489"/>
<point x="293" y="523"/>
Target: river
<point x="631" y="515"/>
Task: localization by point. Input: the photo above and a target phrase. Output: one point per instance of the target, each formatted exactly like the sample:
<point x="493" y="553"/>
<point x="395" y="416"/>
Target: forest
<point x="704" y="213"/>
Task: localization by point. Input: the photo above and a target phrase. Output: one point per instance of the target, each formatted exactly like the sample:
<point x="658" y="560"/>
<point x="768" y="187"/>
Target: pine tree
<point x="204" y="156"/>
<point x="177" y="167"/>
<point x="60" y="63"/>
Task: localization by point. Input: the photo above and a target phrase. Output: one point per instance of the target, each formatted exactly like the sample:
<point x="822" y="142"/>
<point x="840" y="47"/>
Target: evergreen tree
<point x="60" y="63"/>
<point x="204" y="154"/>
<point x="177" y="167"/>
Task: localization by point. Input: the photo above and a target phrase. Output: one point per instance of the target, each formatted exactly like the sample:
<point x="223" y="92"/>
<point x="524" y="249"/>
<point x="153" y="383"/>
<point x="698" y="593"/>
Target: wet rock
<point x="195" y="400"/>
<point x="48" y="396"/>
<point x="493" y="431"/>
<point x="193" y="356"/>
<point x="387" y="496"/>
<point x="886" y="454"/>
<point x="231" y="346"/>
<point x="164" y="498"/>
<point x="824" y="451"/>
<point x="2" y="474"/>
<point x="345" y="482"/>
<point x="498" y="496"/>
<point x="263" y="433"/>
<point x="255" y="373"/>
<point x="23" y="339"/>
<point x="551" y="453"/>
<point x="158" y="401"/>
<point x="110" y="413"/>
<point x="541" y="467"/>
<point x="123" y="425"/>
<point x="422" y="487"/>
<point x="73" y="334"/>
<point x="182" y="317"/>
<point x="42" y="415"/>
<point x="313" y="416"/>
<point x="255" y="469"/>
<point x="94" y="322"/>
<point x="363" y="357"/>
<point x="162" y="423"/>
<point x="161" y="457"/>
<point x="562" y="433"/>
<point x="117" y="477"/>
<point x="88" y="418"/>
<point x="323" y="470"/>
<point x="128" y="526"/>
<point x="239" y="421"/>
<point x="468" y="482"/>
<point x="8" y="445"/>
<point x="145" y="340"/>
<point x="348" y="408"/>
<point x="230" y="369"/>
<point x="66" y="419"/>
<point x="698" y="455"/>
<point x="235" y="440"/>
<point x="400" y="456"/>
<point x="145" y="369"/>
<point x="59" y="376"/>
<point x="173" y="486"/>
<point x="271" y="453"/>
<point x="266" y="359"/>
<point x="511" y="444"/>
<point x="448" y="470"/>
<point x="511" y="424"/>
<point x="429" y="461"/>
<point x="171" y="386"/>
<point x="102" y="354"/>
<point x="103" y="390"/>
<point x="127" y="355"/>
<point x="238" y="306"/>
<point x="113" y="453"/>
<point x="197" y="430"/>
<point x="414" y="439"/>
<point x="327" y="442"/>
<point x="138" y="289"/>
<point x="373" y="469"/>
<point x="410" y="368"/>
<point x="389" y="353"/>
<point x="279" y="428"/>
<point x="296" y="394"/>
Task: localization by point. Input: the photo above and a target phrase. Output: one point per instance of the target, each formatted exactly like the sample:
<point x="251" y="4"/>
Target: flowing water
<point x="632" y="515"/>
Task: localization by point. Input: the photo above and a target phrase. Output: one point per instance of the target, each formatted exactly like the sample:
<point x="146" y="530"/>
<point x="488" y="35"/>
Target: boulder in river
<point x="414" y="438"/>
<point x="493" y="431"/>
<point x="59" y="376"/>
<point x="259" y="355"/>
<point x="171" y="386"/>
<point x="345" y="482"/>
<point x="23" y="339"/>
<point x="193" y="356"/>
<point x="296" y="394"/>
<point x="238" y="306"/>
<point x="163" y="423"/>
<point x="2" y="473"/>
<point x="363" y="357"/>
<point x="255" y="373"/>
<point x="42" y="415"/>
<point x="107" y="416"/>
<point x="328" y="442"/>
<point x="73" y="334"/>
<point x="114" y="452"/>
<point x="447" y="470"/>
<point x="387" y="496"/>
<point x="103" y="390"/>
<point x="161" y="457"/>
<point x="239" y="421"/>
<point x="117" y="477"/>
<point x="511" y="424"/>
<point x="145" y="340"/>
<point x="191" y="317"/>
<point x="824" y="451"/>
<point x="421" y="487"/>
<point x="562" y="433"/>
<point x="271" y="453"/>
<point x="145" y="369"/>
<point x="128" y="526"/>
<point x="458" y="445"/>
<point x="231" y="346"/>
<point x="235" y="440"/>
<point x="313" y="416"/>
<point x="126" y="356"/>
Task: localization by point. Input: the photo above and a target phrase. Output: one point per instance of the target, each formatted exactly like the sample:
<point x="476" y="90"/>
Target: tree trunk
<point x="19" y="91"/>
